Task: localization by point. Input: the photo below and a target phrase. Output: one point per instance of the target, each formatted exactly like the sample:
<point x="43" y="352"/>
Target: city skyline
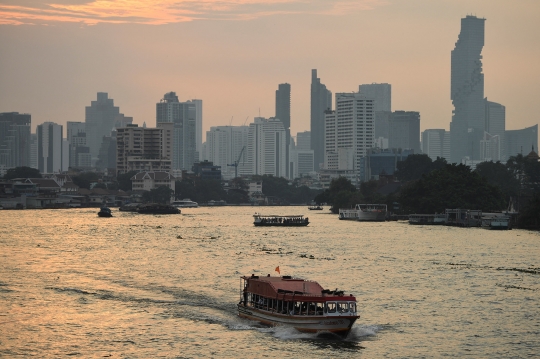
<point x="234" y="58"/>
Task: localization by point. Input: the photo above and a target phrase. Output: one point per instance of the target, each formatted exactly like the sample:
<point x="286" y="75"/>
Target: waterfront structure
<point x="349" y="132"/>
<point x="100" y="119"/>
<point x="283" y="113"/>
<point x="184" y="116"/>
<point x="404" y="130"/>
<point x="144" y="149"/>
<point x="227" y="148"/>
<point x="521" y="141"/>
<point x="15" y="139"/>
<point x="436" y="143"/>
<point x="321" y="101"/>
<point x="266" y="148"/>
<point x="49" y="147"/>
<point x="467" y="91"/>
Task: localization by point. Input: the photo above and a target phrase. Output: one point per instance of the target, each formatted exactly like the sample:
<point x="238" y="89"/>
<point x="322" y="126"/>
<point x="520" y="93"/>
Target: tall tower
<point x="381" y="93"/>
<point x="321" y="100"/>
<point x="467" y="91"/>
<point x="184" y="117"/>
<point x="15" y="139"/>
<point x="50" y="152"/>
<point x="283" y="113"/>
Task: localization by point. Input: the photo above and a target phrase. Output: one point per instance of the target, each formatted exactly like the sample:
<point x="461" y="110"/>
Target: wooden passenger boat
<point x="298" y="303"/>
<point x="104" y="212"/>
<point x="280" y="221"/>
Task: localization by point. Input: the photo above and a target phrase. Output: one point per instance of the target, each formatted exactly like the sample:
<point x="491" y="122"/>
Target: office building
<point x="381" y="93"/>
<point x="467" y="91"/>
<point x="496" y="126"/>
<point x="283" y="113"/>
<point x="15" y="139"/>
<point x="49" y="148"/>
<point x="100" y="119"/>
<point x="436" y="143"/>
<point x="321" y="101"/>
<point x="266" y="148"/>
<point x="184" y="116"/>
<point x="79" y="152"/>
<point x="301" y="156"/>
<point x="521" y="141"/>
<point x="404" y="130"/>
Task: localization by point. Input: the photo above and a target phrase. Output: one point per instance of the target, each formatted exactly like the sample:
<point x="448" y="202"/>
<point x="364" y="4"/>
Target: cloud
<point x="159" y="12"/>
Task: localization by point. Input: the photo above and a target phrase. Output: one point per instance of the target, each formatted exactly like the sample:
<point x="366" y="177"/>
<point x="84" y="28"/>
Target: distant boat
<point x="315" y="208"/>
<point x="130" y="207"/>
<point x="156" y="208"/>
<point x="105" y="212"/>
<point x="280" y="221"/>
<point x="185" y="203"/>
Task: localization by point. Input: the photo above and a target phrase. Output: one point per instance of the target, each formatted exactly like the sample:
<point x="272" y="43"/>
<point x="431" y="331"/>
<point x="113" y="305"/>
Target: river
<point x="147" y="286"/>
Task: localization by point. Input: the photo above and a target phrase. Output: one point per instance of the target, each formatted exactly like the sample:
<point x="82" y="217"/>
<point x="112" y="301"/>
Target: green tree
<point x="454" y="186"/>
<point x="501" y="176"/>
<point x="161" y="194"/>
<point x="22" y="172"/>
<point x="124" y="180"/>
<point x="413" y="167"/>
<point x="340" y="194"/>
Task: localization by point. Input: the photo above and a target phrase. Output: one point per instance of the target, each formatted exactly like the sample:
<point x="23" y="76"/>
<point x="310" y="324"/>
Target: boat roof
<point x="278" y="216"/>
<point x="288" y="288"/>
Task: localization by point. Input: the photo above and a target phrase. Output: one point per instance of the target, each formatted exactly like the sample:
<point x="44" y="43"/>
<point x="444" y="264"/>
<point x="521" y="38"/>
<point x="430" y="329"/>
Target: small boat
<point x="427" y="219"/>
<point x="315" y="208"/>
<point x="156" y="208"/>
<point x="280" y="221"/>
<point x="104" y="212"/>
<point x="302" y="304"/>
<point x="185" y="203"/>
<point x="500" y="222"/>
<point x="371" y="212"/>
<point x="130" y="207"/>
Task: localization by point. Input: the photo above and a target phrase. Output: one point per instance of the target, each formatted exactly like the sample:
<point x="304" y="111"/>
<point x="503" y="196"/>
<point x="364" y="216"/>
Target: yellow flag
<point x="277" y="270"/>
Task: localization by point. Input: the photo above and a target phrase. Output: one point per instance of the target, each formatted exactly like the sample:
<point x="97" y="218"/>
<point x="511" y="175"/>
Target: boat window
<point x="330" y="307"/>
<point x="352" y="306"/>
<point x="320" y="308"/>
<point x="342" y="307"/>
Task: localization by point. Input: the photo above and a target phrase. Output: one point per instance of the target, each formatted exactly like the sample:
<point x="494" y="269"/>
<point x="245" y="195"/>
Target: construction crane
<point x="235" y="164"/>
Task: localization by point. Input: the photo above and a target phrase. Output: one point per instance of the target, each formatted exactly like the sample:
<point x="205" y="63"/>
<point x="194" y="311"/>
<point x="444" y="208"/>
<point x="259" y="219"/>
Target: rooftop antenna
<point x="230" y="122"/>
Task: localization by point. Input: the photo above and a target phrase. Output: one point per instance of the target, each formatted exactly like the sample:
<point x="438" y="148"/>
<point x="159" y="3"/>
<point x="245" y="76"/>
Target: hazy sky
<point x="56" y="55"/>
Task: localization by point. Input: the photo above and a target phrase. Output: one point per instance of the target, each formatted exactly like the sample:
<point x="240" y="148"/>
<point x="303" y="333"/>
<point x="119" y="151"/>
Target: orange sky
<point x="55" y="56"/>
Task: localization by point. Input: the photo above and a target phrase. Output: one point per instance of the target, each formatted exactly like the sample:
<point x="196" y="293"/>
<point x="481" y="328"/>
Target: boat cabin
<point x="294" y="296"/>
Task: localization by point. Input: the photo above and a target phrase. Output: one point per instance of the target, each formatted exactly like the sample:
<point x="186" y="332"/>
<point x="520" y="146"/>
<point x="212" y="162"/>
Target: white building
<point x="267" y="146"/>
<point x="226" y="146"/>
<point x="49" y="148"/>
<point x="146" y="181"/>
<point x="349" y="132"/>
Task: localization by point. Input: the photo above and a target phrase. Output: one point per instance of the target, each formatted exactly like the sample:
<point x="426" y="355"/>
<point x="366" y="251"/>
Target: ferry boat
<point x="280" y="221"/>
<point x="156" y="208"/>
<point x="348" y="214"/>
<point x="315" y="208"/>
<point x="185" y="203"/>
<point x="371" y="212"/>
<point x="302" y="304"/>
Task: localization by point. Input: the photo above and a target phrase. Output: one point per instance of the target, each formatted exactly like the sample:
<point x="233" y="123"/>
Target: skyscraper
<point x="436" y="143"/>
<point x="381" y="93"/>
<point x="266" y="147"/>
<point x="15" y="139"/>
<point x="50" y="154"/>
<point x="101" y="117"/>
<point x="227" y="147"/>
<point x="496" y="126"/>
<point x="467" y="91"/>
<point x="404" y="130"/>
<point x="184" y="116"/>
<point x="283" y="113"/>
<point x="321" y="100"/>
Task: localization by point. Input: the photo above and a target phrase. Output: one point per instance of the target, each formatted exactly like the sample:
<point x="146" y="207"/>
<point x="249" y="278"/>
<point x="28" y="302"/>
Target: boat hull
<point x="369" y="216"/>
<point x="266" y="224"/>
<point x="340" y="325"/>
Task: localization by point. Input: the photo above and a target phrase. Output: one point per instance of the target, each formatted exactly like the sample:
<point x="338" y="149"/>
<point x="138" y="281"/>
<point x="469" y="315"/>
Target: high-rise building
<point x="496" y="126"/>
<point x="404" y="130"/>
<point x="521" y="141"/>
<point x="350" y="132"/>
<point x="49" y="149"/>
<point x="227" y="148"/>
<point x="198" y="128"/>
<point x="144" y="149"/>
<point x="467" y="91"/>
<point x="283" y="113"/>
<point x="381" y="93"/>
<point x="15" y="139"/>
<point x="321" y="101"/>
<point x="79" y="152"/>
<point x="436" y="143"/>
<point x="266" y="147"/>
<point x="184" y="117"/>
<point x="101" y="118"/>
<point x="303" y="141"/>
